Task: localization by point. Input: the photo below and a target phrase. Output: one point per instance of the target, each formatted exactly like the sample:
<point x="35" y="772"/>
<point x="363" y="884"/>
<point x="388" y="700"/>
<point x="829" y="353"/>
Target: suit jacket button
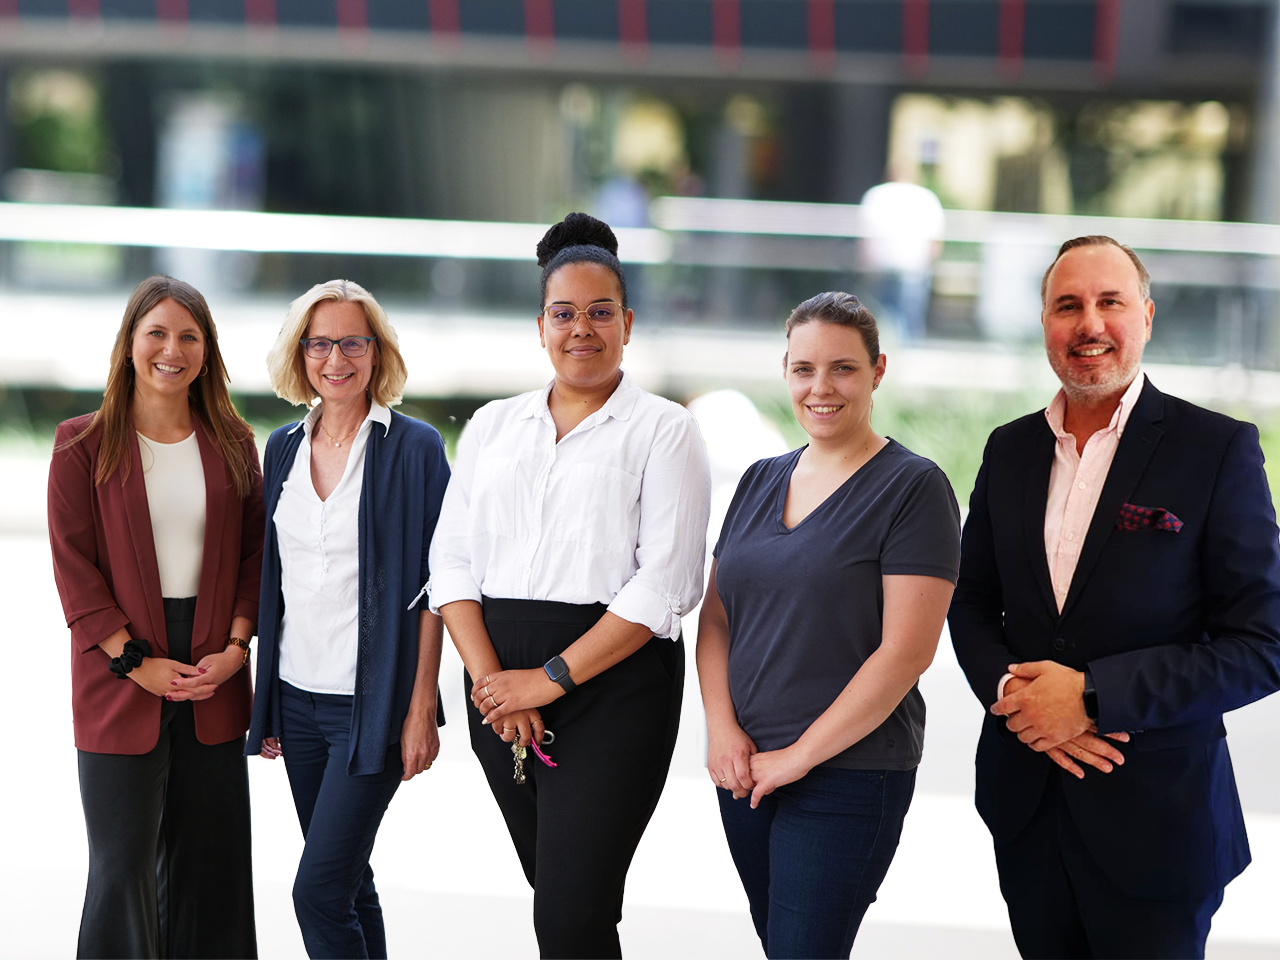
<point x="1059" y="643"/>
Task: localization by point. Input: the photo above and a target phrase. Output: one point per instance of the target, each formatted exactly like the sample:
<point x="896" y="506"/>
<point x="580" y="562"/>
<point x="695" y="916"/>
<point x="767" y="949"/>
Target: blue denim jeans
<point x="814" y="853"/>
<point x="333" y="895"/>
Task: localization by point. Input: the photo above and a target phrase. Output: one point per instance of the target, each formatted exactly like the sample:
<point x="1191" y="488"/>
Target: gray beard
<point x="1088" y="394"/>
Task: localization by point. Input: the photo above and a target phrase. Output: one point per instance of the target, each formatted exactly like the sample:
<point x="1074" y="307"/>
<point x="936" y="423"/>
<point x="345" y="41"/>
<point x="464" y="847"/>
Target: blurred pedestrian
<point x="1120" y="573"/>
<point x="902" y="237"/>
<point x="828" y="594"/>
<point x="155" y="521"/>
<point x="570" y="543"/>
<point x="347" y="668"/>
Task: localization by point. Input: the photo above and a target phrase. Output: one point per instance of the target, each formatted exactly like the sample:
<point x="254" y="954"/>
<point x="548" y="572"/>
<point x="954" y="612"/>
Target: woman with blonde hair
<point x="347" y="667"/>
<point x="155" y="523"/>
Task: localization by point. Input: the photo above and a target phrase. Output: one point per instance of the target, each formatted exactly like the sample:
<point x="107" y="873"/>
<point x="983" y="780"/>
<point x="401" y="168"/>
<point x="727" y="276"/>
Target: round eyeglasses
<point x="317" y="348"/>
<point x="599" y="314"/>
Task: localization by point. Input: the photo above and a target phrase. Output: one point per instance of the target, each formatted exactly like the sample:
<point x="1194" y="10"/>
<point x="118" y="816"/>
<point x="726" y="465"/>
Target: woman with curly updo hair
<point x="570" y="542"/>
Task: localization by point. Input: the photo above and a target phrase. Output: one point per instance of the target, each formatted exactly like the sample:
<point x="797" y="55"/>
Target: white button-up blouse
<point x="320" y="566"/>
<point x="615" y="513"/>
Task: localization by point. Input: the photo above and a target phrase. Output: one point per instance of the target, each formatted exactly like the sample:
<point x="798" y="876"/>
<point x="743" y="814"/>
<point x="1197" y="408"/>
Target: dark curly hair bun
<point x="576" y="230"/>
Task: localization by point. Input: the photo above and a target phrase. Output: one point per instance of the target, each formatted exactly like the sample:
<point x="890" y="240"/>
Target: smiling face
<point x="1096" y="323"/>
<point x="168" y="349"/>
<point x="339" y="378"/>
<point x="830" y="377"/>
<point x="584" y="356"/>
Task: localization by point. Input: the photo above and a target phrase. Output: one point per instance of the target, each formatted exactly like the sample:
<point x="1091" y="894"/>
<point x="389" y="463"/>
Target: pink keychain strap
<point x="540" y="755"/>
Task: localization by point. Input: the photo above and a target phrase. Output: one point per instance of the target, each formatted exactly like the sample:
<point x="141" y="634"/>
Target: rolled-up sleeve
<point x="675" y="504"/>
<point x="450" y="559"/>
<point x="90" y="608"/>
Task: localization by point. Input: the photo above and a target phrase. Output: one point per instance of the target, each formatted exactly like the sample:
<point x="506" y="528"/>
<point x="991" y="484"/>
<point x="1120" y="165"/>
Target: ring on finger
<point x="723" y="779"/>
<point x="490" y="697"/>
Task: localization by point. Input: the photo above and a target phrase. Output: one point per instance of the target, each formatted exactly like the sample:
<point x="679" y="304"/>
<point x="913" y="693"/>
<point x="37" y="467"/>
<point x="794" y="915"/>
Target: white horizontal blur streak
<point x="258" y="232"/>
<point x="775" y="218"/>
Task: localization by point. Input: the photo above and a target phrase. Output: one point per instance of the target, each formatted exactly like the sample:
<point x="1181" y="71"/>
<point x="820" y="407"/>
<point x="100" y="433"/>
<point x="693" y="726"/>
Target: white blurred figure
<point x="736" y="436"/>
<point x="902" y="237"/>
<point x="208" y="158"/>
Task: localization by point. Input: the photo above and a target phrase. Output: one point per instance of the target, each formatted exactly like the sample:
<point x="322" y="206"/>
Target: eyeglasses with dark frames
<point x="318" y="348"/>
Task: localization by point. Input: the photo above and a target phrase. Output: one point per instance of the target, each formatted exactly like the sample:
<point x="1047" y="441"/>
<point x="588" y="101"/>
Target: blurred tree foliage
<point x="951" y="429"/>
<point x="59" y="122"/>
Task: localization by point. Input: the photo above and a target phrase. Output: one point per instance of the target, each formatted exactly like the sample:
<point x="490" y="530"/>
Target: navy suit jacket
<point x="1176" y="629"/>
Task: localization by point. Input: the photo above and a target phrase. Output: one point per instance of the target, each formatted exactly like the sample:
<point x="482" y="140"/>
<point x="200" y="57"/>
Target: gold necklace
<point x="336" y="443"/>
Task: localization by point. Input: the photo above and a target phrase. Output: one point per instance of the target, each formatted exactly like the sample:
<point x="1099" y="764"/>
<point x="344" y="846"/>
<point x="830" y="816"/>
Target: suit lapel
<point x="138" y="510"/>
<point x="216" y="489"/>
<point x="1141" y="435"/>
<point x="1038" y="465"/>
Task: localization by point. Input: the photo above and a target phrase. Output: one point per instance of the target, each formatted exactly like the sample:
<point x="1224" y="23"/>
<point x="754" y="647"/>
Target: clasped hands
<point x="175" y="680"/>
<point x="508" y="700"/>
<point x="1043" y="705"/>
<point x="735" y="764"/>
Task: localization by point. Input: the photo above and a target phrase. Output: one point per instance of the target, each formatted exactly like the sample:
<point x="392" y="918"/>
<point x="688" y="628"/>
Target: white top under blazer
<point x="615" y="513"/>
<point x="174" y="477"/>
<point x="320" y="565"/>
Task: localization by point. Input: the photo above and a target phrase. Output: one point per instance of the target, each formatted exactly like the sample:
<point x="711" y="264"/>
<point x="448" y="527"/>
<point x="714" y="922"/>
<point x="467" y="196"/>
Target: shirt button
<point x="1070" y="535"/>
<point x="1059" y="643"/>
<point x="1082" y="485"/>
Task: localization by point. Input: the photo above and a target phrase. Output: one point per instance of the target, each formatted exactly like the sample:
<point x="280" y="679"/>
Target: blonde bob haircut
<point x="287" y="365"/>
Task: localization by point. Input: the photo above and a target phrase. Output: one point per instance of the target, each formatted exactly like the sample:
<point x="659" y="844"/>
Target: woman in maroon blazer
<point x="155" y="520"/>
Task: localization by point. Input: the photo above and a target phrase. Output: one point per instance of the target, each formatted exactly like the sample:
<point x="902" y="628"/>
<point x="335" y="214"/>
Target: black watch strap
<point x="558" y="671"/>
<point x="1090" y="696"/>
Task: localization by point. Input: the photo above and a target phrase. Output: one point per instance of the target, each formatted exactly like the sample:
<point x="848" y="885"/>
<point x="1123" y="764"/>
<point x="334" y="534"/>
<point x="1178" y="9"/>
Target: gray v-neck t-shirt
<point x="805" y="604"/>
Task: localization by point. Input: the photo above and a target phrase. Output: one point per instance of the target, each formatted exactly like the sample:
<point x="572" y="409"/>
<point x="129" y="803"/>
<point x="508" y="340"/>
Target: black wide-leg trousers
<point x="577" y="826"/>
<point x="170" y="868"/>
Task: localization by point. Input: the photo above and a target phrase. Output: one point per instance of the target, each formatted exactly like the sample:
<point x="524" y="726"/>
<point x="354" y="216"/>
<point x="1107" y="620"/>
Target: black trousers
<point x="170" y="868"/>
<point x="577" y="826"/>
<point x="1062" y="906"/>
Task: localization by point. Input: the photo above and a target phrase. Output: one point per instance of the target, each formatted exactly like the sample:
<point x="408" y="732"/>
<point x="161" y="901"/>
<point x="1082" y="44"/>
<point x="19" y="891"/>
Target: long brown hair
<point x="210" y="402"/>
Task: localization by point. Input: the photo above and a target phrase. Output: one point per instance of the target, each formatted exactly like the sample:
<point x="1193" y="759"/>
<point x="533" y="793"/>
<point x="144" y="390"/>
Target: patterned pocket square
<point x="1134" y="517"/>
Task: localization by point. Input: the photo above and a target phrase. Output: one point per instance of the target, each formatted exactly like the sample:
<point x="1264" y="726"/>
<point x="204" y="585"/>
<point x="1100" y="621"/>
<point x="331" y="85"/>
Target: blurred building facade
<point x="520" y="110"/>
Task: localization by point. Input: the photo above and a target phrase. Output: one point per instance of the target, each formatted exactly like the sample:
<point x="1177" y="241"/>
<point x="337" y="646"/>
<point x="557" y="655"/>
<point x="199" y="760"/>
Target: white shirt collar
<point x="620" y="405"/>
<point x="377" y="414"/>
<point x="1056" y="411"/>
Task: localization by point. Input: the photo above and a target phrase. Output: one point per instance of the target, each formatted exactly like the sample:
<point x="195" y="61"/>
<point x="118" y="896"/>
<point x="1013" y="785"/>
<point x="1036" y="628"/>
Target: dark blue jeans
<point x="333" y="895"/>
<point x="814" y="853"/>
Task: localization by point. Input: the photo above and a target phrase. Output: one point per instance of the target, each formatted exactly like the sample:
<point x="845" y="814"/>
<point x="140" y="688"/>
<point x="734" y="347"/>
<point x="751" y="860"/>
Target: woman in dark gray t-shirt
<point x="832" y="578"/>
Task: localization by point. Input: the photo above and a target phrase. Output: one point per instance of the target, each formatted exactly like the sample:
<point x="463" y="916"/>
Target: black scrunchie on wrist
<point x="130" y="657"/>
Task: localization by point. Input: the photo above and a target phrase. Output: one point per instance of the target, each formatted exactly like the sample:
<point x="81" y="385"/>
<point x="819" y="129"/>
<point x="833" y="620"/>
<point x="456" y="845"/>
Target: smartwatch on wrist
<point x="1090" y="696"/>
<point x="558" y="671"/>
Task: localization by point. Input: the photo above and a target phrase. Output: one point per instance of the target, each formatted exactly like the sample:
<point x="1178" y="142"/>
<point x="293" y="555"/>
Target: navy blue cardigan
<point x="405" y="474"/>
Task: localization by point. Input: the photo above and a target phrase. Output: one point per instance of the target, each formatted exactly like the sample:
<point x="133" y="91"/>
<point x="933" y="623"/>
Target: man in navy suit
<point x="1119" y="592"/>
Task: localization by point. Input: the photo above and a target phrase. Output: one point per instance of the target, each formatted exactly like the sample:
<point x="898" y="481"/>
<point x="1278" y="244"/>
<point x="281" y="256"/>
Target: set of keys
<point x="520" y="751"/>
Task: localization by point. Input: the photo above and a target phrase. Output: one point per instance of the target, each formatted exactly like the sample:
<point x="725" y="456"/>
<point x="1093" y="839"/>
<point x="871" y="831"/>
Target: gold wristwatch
<point x="243" y="645"/>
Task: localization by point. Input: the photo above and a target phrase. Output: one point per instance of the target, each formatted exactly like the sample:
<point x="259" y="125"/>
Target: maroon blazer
<point x="104" y="562"/>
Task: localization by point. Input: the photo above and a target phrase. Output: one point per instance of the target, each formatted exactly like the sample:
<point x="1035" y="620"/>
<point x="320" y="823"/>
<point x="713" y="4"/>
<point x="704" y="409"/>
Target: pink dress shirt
<point x="1075" y="484"/>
